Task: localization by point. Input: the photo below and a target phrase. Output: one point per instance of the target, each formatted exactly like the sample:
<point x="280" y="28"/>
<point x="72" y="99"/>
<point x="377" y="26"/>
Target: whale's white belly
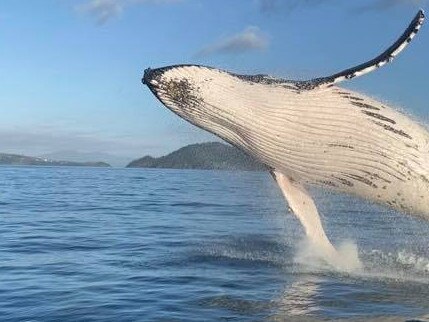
<point x="331" y="137"/>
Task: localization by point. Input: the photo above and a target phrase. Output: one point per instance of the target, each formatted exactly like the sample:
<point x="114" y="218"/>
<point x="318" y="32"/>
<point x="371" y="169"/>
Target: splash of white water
<point x="316" y="257"/>
<point x="375" y="264"/>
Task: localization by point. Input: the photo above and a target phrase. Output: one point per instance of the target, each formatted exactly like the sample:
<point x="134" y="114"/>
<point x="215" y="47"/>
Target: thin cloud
<point x="268" y="5"/>
<point x="272" y="6"/>
<point x="104" y="10"/>
<point x="45" y="139"/>
<point x="250" y="39"/>
<point x="80" y="145"/>
<point x="381" y="5"/>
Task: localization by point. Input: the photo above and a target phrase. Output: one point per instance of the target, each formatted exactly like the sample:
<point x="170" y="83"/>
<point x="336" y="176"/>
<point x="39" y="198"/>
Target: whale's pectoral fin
<point x="304" y="208"/>
<point x="384" y="58"/>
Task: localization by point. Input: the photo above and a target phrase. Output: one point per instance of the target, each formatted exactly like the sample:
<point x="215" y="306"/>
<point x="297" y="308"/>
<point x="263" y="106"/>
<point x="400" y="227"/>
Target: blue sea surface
<point x="100" y="244"/>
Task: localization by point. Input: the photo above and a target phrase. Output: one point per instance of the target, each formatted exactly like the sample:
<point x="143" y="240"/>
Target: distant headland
<point x="15" y="159"/>
<point x="205" y="156"/>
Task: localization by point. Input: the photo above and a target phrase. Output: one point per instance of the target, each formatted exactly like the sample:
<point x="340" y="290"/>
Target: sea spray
<point x="400" y="265"/>
<point x="316" y="257"/>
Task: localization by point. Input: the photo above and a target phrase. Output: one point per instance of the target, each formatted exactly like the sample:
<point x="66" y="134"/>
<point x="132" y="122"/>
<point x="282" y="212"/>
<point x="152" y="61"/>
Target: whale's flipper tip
<point x="386" y="57"/>
<point x="420" y="18"/>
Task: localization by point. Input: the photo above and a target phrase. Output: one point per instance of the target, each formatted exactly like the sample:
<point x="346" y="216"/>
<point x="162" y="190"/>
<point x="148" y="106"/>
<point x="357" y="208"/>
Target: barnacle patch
<point x="182" y="92"/>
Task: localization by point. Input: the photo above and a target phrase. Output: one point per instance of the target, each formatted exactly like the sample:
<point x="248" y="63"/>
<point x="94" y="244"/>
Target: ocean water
<point x="95" y="244"/>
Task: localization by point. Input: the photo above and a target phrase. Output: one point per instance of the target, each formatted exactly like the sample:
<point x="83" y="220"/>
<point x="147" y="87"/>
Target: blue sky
<point x="70" y="70"/>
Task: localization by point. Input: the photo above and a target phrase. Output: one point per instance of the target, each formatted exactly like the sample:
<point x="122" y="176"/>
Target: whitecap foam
<point x="399" y="265"/>
<point x="316" y="257"/>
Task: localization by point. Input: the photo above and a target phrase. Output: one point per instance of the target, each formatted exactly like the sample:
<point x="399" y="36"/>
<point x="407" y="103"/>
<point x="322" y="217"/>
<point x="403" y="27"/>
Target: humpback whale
<point x="310" y="133"/>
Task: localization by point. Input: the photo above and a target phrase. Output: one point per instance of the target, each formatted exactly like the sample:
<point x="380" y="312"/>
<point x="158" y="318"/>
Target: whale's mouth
<point x="147" y="76"/>
<point x="151" y="77"/>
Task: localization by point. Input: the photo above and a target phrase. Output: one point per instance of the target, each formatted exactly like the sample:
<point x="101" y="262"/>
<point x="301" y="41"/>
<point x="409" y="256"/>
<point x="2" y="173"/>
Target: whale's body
<point x="310" y="133"/>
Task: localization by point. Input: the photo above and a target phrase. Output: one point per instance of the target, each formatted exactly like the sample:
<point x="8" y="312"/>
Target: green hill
<point x="206" y="156"/>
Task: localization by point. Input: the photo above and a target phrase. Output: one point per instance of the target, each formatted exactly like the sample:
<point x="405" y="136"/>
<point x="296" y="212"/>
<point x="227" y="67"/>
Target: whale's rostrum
<point x="310" y="133"/>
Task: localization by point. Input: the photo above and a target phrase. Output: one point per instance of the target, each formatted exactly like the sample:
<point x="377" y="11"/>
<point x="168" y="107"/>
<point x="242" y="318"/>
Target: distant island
<point x="205" y="156"/>
<point x="15" y="159"/>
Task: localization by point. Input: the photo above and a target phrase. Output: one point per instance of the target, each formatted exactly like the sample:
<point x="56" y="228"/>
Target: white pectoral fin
<point x="304" y="209"/>
<point x="386" y="57"/>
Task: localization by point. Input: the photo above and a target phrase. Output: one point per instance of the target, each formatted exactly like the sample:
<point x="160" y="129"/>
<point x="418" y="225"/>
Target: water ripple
<point x="80" y="244"/>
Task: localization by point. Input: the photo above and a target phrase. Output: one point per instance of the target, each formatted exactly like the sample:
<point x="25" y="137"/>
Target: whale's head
<point x="204" y="96"/>
<point x="177" y="87"/>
